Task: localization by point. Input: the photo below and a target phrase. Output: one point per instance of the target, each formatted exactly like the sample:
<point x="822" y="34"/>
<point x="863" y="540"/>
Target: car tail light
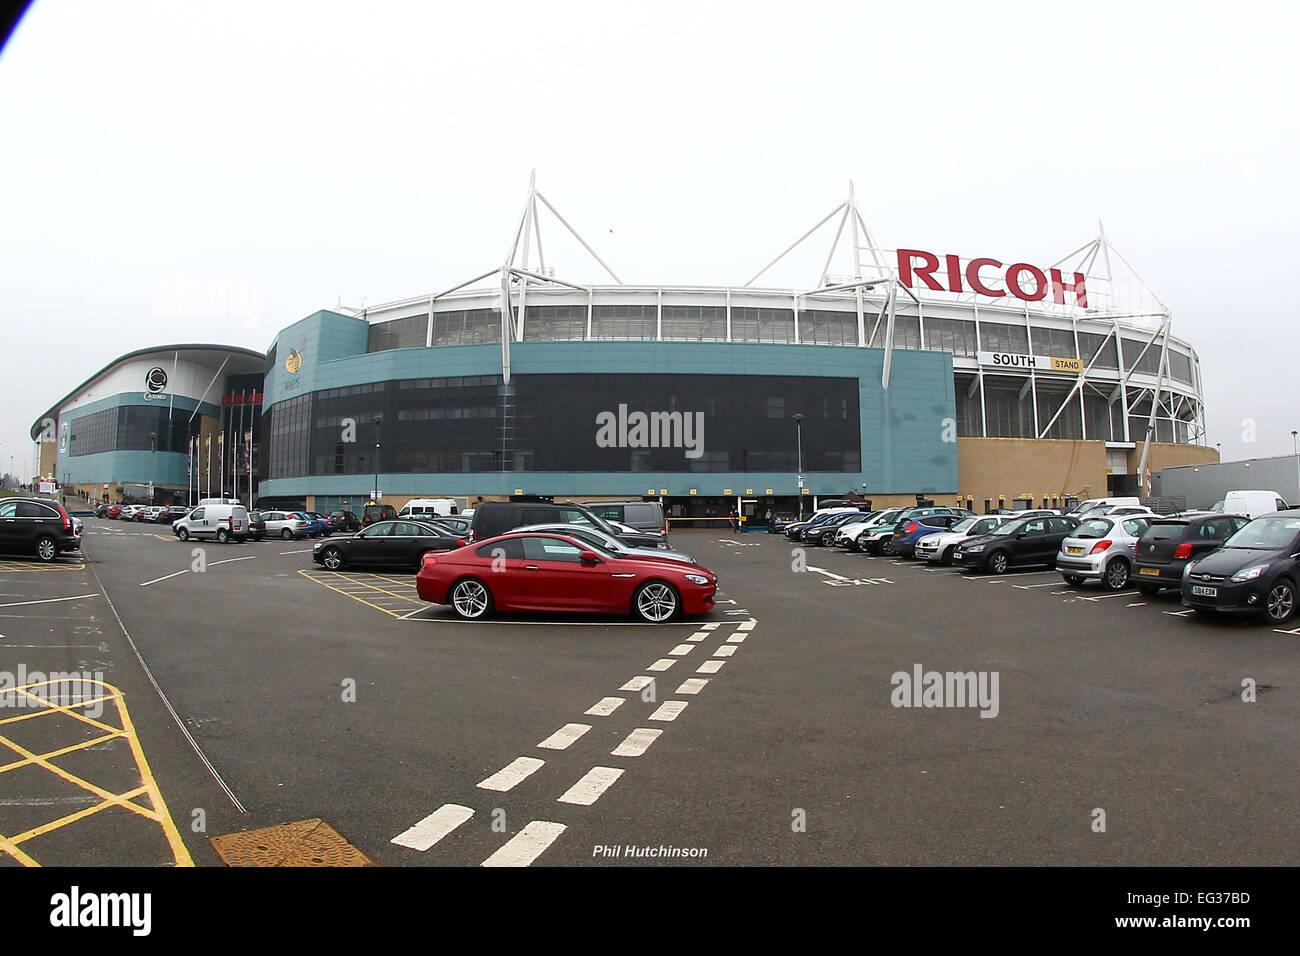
<point x="67" y="522"/>
<point x="461" y="543"/>
<point x="1184" y="550"/>
<point x="1100" y="546"/>
<point x="428" y="561"/>
<point x="910" y="528"/>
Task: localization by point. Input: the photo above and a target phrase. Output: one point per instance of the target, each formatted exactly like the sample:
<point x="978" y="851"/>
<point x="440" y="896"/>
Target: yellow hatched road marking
<point x="309" y="577"/>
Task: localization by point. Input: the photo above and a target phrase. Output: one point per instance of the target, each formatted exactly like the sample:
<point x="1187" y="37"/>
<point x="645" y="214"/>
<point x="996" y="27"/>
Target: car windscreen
<point x="1270" y="532"/>
<point x="1165" y="531"/>
<point x="963" y="524"/>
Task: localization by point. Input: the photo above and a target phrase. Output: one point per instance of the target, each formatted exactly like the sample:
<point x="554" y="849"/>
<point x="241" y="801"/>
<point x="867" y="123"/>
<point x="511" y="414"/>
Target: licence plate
<point x="1200" y="591"/>
<point x="1152" y="572"/>
<point x="1074" y="550"/>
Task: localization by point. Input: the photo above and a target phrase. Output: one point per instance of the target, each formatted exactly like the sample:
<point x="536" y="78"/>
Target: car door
<point x="409" y="540"/>
<point x="9" y="527"/>
<point x="555" y="576"/>
<point x="195" y="522"/>
<point x="377" y="546"/>
<point x="1028" y="545"/>
<point x="1056" y="531"/>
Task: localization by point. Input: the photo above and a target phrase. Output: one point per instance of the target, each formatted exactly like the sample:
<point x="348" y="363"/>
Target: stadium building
<point x="914" y="373"/>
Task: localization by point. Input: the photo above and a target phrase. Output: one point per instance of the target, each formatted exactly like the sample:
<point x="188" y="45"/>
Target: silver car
<point x="1101" y="549"/>
<point x="284" y="525"/>
<point x="608" y="543"/>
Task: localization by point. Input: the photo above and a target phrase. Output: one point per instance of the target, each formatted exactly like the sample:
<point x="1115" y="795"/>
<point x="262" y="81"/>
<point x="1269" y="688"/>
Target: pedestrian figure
<point x="735" y="522"/>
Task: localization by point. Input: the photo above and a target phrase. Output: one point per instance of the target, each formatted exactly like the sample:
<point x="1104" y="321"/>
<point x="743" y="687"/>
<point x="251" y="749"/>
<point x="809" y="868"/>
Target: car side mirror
<point x="1022" y="534"/>
<point x="588" y="557"/>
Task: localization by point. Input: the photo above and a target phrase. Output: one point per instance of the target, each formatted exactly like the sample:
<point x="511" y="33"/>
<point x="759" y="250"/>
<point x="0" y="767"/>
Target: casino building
<point x="909" y="374"/>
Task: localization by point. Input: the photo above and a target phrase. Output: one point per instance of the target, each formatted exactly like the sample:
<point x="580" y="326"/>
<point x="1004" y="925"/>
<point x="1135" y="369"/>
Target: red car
<point x="554" y="572"/>
<point x="113" y="511"/>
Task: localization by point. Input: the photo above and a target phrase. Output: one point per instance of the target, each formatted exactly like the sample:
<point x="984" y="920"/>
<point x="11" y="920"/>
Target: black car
<point x="1027" y="542"/>
<point x="1255" y="571"/>
<point x="1170" y="543"/>
<point x="345" y="521"/>
<point x="824" y="531"/>
<point x="170" y="514"/>
<point x="38" y="526"/>
<point x="492" y="518"/>
<point x="780" y="521"/>
<point x="385" y="544"/>
<point x="256" y="525"/>
<point x="373" y="512"/>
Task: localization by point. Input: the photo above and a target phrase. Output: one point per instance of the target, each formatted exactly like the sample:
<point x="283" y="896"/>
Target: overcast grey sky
<point x="299" y="152"/>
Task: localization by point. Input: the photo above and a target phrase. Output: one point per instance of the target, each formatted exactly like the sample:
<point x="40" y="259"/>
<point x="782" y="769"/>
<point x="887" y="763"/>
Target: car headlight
<point x="1187" y="569"/>
<point x="1250" y="574"/>
<point x="971" y="548"/>
<point x="697" y="579"/>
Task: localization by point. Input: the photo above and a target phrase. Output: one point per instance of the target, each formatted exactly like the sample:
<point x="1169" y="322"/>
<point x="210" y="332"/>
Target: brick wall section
<point x="1011" y="467"/>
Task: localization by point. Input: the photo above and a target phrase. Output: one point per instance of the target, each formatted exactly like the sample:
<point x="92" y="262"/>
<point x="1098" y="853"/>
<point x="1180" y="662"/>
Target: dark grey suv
<point x="36" y="526"/>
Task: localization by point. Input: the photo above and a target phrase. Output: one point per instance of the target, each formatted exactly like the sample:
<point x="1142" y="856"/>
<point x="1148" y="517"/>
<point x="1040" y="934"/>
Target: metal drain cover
<point x="304" y="843"/>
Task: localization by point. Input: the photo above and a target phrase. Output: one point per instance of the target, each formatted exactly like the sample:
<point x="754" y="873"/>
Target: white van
<point x="428" y="508"/>
<point x="221" y="522"/>
<point x="1252" y="504"/>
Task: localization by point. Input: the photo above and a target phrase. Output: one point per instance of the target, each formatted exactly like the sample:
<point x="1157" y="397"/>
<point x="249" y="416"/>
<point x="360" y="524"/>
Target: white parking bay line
<point x="1026" y="587"/>
<point x="77" y="597"/>
<point x="1179" y="613"/>
<point x="1138" y="604"/>
<point x="213" y="564"/>
<point x="638" y="683"/>
<point x="737" y="638"/>
<point x="604" y="707"/>
<point x="563" y="738"/>
<point x="433" y="827"/>
<point x="662" y="664"/>
<point x="829" y="574"/>
<point x="145" y="584"/>
<point x="692" y="685"/>
<point x="589" y="789"/>
<point x="710" y="667"/>
<point x="308" y="551"/>
<point x="516" y="772"/>
<point x="710" y="627"/>
<point x="698" y="636"/>
<point x="726" y="650"/>
<point x="746" y="625"/>
<point x="1102" y="597"/>
<point x="682" y="649"/>
<point x="636" y="743"/>
<point x="669" y="710"/>
<point x="526" y="845"/>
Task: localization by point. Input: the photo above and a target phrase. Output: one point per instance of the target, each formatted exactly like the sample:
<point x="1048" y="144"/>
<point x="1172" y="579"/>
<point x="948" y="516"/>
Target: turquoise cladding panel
<point x="903" y="427"/>
<point x="320" y="339"/>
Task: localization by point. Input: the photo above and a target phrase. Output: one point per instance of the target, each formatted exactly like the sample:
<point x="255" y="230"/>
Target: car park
<point x="850" y="533"/>
<point x="284" y="524"/>
<point x="384" y="544"/>
<point x="555" y="573"/>
<point x="1256" y="571"/>
<point x="127" y="512"/>
<point x="1170" y="543"/>
<point x="937" y="548"/>
<point x="880" y="538"/>
<point x="607" y="542"/>
<point x="220" y="522"/>
<point x="316" y="525"/>
<point x="1027" y="542"/>
<point x="823" y="532"/>
<point x="36" y="526"/>
<point x="1101" y="549"/>
<point x="639" y="515"/>
<point x="149" y="515"/>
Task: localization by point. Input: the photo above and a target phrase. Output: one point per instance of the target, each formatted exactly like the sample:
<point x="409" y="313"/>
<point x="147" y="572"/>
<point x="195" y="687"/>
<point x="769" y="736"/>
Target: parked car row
<point x="38" y="527"/>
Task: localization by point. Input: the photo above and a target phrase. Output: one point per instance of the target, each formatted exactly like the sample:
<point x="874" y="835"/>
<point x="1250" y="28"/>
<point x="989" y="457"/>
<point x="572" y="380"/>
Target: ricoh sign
<point x="989" y="277"/>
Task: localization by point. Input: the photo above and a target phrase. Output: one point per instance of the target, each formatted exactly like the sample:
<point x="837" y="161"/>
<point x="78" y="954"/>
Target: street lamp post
<point x="378" y="420"/>
<point x="1296" y="455"/>
<point x="798" y="437"/>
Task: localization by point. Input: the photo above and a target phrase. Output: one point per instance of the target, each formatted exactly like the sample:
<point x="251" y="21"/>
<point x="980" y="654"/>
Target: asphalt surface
<point x="791" y="753"/>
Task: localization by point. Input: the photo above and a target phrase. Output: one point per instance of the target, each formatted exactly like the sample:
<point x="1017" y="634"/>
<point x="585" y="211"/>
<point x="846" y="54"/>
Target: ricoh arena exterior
<point x="975" y="380"/>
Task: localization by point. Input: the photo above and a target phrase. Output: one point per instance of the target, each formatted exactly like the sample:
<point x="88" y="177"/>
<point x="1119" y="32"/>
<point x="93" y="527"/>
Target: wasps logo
<point x="293" y="362"/>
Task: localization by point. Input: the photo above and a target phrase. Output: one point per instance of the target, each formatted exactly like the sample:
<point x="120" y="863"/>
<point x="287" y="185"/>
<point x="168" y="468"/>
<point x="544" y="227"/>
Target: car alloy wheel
<point x="656" y="602"/>
<point x="286" y="534"/>
<point x="332" y="559"/>
<point x="998" y="562"/>
<point x="222" y="536"/>
<point x="183" y="534"/>
<point x="470" y="599"/>
<point x="1116" y="575"/>
<point x="46" y="549"/>
<point x="1281" y="602"/>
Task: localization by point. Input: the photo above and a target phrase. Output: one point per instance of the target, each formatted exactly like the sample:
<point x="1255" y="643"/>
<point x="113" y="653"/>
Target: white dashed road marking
<point x="710" y="667"/>
<point x="604" y="707"/>
<point x="710" y="627"/>
<point x="526" y="845"/>
<point x="637" y="742"/>
<point x="726" y="650"/>
<point x="662" y="664"/>
<point x="737" y="638"/>
<point x="692" y="686"/>
<point x="669" y="710"/>
<point x="746" y="625"/>
<point x="638" y="683"/>
<point x="589" y="789"/>
<point x="433" y="827"/>
<point x="563" y="738"/>
<point x="682" y="649"/>
<point x="516" y="772"/>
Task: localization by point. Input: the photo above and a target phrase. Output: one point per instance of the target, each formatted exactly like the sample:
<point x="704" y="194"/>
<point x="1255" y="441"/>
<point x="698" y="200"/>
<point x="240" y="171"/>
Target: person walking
<point x="735" y="522"/>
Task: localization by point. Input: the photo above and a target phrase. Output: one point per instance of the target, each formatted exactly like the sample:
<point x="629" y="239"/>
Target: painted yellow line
<point x="63" y="750"/>
<point x="70" y="818"/>
<point x="17" y="854"/>
<point x="376" y="587"/>
<point x="308" y="576"/>
<point x="179" y="851"/>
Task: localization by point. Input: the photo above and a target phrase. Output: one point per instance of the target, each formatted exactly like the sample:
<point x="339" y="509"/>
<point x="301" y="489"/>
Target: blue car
<point x="315" y="526"/>
<point x="913" y="530"/>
